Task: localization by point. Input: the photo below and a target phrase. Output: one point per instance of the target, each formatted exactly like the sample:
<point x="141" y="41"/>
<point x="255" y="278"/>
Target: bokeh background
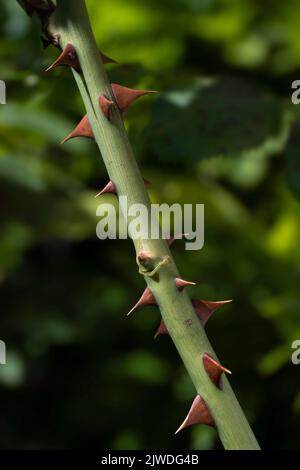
<point x="223" y="132"/>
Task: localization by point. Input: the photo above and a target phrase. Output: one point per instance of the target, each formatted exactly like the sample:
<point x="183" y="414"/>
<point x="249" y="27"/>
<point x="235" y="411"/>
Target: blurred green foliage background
<point x="223" y="132"/>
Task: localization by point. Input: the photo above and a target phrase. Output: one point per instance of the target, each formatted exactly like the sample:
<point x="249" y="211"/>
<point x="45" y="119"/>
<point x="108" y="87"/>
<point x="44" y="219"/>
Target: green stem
<point x="71" y="22"/>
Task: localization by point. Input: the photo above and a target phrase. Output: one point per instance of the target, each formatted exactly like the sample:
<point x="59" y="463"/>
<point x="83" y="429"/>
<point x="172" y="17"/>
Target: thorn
<point x="83" y="129"/>
<point x="161" y="330"/>
<point x="214" y="304"/>
<point x="204" y="308"/>
<point x="214" y="370"/>
<point x="199" y="414"/>
<point x="126" y="96"/>
<point x="107" y="60"/>
<point x="147" y="298"/>
<point x="105" y="105"/>
<point x="110" y="188"/>
<point x="68" y="57"/>
<point x="181" y="284"/>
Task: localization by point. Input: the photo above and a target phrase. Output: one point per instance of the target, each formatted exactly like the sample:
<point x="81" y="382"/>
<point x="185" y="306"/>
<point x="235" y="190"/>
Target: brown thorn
<point x="83" y="129"/>
<point x="161" y="330"/>
<point x="126" y="96"/>
<point x="147" y="298"/>
<point x="68" y="58"/>
<point x="181" y="283"/>
<point x="199" y="414"/>
<point x="110" y="188"/>
<point x="215" y="304"/>
<point x="205" y="308"/>
<point x="214" y="370"/>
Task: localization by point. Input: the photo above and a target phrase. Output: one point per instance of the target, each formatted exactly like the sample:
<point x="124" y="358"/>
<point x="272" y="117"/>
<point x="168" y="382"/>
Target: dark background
<point x="223" y="132"/>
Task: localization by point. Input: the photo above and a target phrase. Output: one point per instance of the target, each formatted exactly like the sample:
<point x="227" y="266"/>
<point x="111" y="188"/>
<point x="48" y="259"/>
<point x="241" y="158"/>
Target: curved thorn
<point x="110" y="188"/>
<point x="215" y="304"/>
<point x="161" y="330"/>
<point x="214" y="369"/>
<point x="68" y="58"/>
<point x="126" y="96"/>
<point x="205" y="308"/>
<point x="199" y="414"/>
<point x="147" y="298"/>
<point x="83" y="129"/>
<point x="181" y="283"/>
